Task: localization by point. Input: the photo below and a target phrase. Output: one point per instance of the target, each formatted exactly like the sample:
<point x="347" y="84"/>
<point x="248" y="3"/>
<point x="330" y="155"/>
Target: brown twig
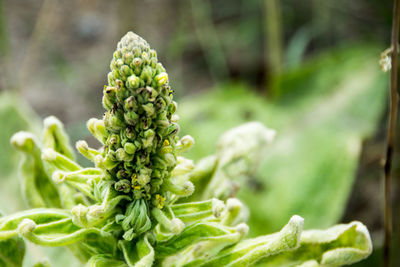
<point x="394" y="98"/>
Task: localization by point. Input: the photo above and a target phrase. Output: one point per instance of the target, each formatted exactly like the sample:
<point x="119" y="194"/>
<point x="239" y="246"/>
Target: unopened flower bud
<point x="162" y="78"/>
<point x="121" y="155"/>
<point x="123" y="186"/>
<point x="25" y="227"/>
<point x="133" y="82"/>
<point x="130" y="148"/>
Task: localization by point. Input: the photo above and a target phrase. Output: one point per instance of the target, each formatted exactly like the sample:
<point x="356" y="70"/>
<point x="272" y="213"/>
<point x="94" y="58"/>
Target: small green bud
<point x="79" y="213"/>
<point x="162" y="78"/>
<point x="59" y="161"/>
<point x="146" y="58"/>
<point x="133" y="82"/>
<point x="112" y="122"/>
<point x="24" y="141"/>
<point x="144" y="176"/>
<point x="130" y="104"/>
<point x="123" y="174"/>
<point x="137" y="62"/>
<point x="121" y="155"/>
<point x="148" y="138"/>
<point x="58" y="177"/>
<point x="26" y="227"/>
<point x="128" y="58"/>
<point x="160" y="105"/>
<point x="149" y="109"/>
<point x="130" y="133"/>
<point x="170" y="159"/>
<point x="185" y="143"/>
<point x="184" y="166"/>
<point x="235" y="212"/>
<point x="119" y="63"/>
<point x="113" y="141"/>
<point x="125" y="71"/>
<point x="184" y="190"/>
<point x="123" y="186"/>
<point x="172" y="107"/>
<point x="146" y="75"/>
<point x="130" y="148"/>
<point x="95" y="214"/>
<point x="105" y="163"/>
<point x="153" y="53"/>
<point x="131" y="117"/>
<point x="174" y="225"/>
<point x="117" y="54"/>
<point x="175" y="118"/>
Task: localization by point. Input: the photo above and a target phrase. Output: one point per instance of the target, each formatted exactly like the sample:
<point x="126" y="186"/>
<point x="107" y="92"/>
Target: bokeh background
<point x="308" y="69"/>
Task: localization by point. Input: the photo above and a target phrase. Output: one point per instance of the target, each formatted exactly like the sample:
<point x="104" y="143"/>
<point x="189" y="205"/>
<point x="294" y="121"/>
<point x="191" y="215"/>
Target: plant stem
<point x="394" y="98"/>
<point x="273" y="35"/>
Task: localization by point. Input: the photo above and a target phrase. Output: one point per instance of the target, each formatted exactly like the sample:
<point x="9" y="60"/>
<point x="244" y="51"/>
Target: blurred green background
<point x="308" y="69"/>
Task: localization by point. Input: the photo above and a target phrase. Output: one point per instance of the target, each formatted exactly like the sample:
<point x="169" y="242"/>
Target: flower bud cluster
<point x="140" y="127"/>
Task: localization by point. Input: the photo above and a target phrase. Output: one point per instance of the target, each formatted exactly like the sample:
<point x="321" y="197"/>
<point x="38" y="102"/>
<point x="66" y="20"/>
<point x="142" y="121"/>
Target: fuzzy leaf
<point x="239" y="152"/>
<point x="15" y="115"/>
<point x="101" y="260"/>
<point x="215" y="233"/>
<point x="37" y="187"/>
<point x="55" y="137"/>
<point x="339" y="245"/>
<point x="9" y="224"/>
<point x="140" y="254"/>
<point x="250" y="251"/>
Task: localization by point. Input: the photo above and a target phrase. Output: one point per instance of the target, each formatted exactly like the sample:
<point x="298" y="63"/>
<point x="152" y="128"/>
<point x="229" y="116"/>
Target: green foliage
<point x="134" y="206"/>
<point x="321" y="114"/>
<point x="327" y="247"/>
<point x="12" y="252"/>
<point x="15" y="115"/>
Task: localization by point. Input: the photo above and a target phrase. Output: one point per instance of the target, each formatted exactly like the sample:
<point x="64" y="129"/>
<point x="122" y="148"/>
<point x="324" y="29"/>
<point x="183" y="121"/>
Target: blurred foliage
<point x="12" y="252"/>
<point x="322" y="112"/>
<point x="15" y="115"/>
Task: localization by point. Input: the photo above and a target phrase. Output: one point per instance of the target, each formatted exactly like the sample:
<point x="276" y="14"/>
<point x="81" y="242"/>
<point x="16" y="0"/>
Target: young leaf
<point x="339" y="245"/>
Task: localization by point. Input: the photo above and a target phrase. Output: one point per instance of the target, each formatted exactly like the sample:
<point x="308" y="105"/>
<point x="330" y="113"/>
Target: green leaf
<point x="15" y="115"/>
<point x="37" y="187"/>
<point x="250" y="251"/>
<point x="9" y="224"/>
<point x="101" y="260"/>
<point x="140" y="254"/>
<point x="12" y="252"/>
<point x="55" y="137"/>
<point x="195" y="211"/>
<point x="215" y="234"/>
<point x="339" y="245"/>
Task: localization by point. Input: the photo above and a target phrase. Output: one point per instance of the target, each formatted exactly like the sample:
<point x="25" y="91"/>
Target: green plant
<point x="134" y="207"/>
<point x="311" y="166"/>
